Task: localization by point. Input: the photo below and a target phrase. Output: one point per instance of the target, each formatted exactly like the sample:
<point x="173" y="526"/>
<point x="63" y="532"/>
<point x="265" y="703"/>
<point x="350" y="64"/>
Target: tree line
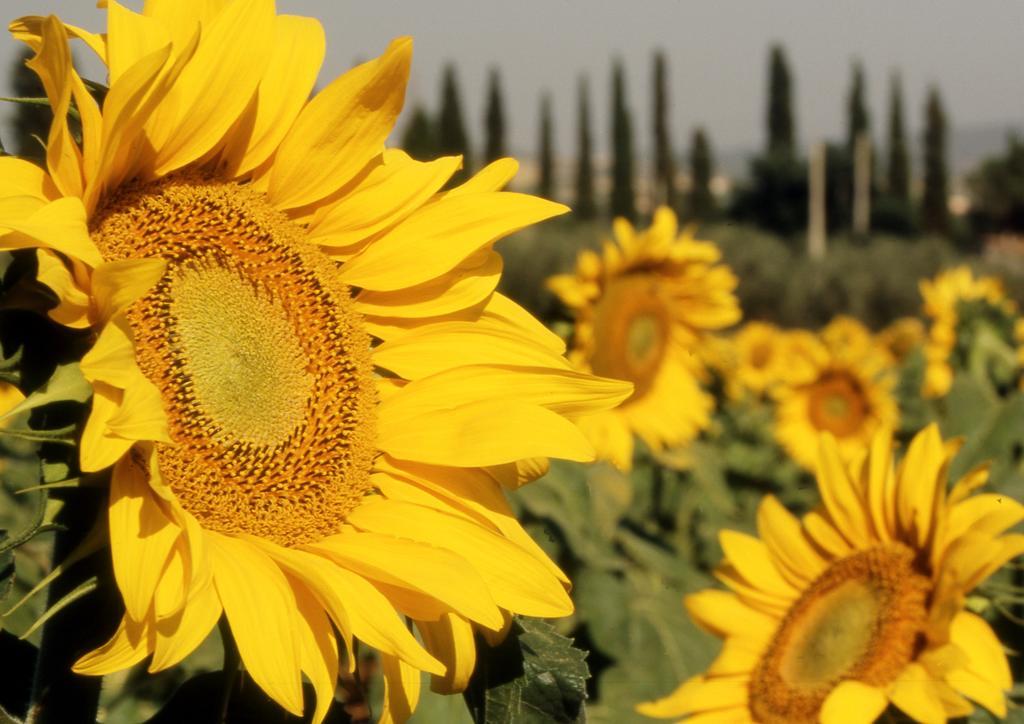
<point x="775" y="194"/>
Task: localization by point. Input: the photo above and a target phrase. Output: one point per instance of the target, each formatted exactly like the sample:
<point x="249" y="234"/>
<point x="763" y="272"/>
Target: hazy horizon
<point x="717" y="65"/>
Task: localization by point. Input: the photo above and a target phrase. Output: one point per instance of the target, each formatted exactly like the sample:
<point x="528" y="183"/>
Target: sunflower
<point x="901" y="337"/>
<point x="642" y="308"/>
<point x="861" y="603"/>
<point x="845" y="391"/>
<point x="306" y="386"/>
<point x="944" y="297"/>
<point x="760" y="357"/>
<point x="847" y="336"/>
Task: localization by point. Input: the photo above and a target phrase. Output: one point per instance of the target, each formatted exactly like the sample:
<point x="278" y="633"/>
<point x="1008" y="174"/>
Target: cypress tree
<point x="585" y="207"/>
<point x="494" y="120"/>
<point x="451" y="131"/>
<point x="934" y="205"/>
<point x="781" y="133"/>
<point x="858" y="120"/>
<point x="899" y="159"/>
<point x="622" y="199"/>
<point x="546" y="182"/>
<point x="701" y="203"/>
<point x="28" y="122"/>
<point x="664" y="168"/>
<point x="419" y="139"/>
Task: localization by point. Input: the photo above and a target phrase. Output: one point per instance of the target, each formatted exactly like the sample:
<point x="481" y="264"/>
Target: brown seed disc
<point x="263" y="365"/>
<point x="862" y="619"/>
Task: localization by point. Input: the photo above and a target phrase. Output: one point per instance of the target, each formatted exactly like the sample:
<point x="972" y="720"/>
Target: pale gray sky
<point x="717" y="51"/>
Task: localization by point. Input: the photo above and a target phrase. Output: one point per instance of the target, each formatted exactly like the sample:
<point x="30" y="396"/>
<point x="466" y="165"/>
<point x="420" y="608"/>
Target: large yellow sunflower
<point x="641" y="309"/>
<point x="844" y="390"/>
<point x="943" y="296"/>
<point x="308" y="389"/>
<point x="861" y="603"/>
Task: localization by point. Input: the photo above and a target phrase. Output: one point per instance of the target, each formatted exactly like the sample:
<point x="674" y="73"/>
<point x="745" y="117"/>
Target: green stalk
<point x="60" y="696"/>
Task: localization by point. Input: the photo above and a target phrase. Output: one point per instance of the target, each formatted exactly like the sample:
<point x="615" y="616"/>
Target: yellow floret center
<point x="837" y="403"/>
<point x="631" y="332"/>
<point x="262" y="363"/>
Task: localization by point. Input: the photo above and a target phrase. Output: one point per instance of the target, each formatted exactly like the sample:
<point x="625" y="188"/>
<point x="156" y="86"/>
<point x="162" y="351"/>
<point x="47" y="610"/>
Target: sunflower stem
<point x="232" y="667"/>
<point x="60" y="696"/>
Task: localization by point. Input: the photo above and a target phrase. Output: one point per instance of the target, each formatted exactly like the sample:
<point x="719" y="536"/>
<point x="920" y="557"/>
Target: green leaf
<point x="6" y="573"/>
<point x="83" y="589"/>
<point x="562" y="499"/>
<point x="66" y="384"/>
<point x="10" y="371"/>
<point x="61" y="435"/>
<point x="611" y="493"/>
<point x="535" y="676"/>
<point x="31" y="528"/>
<point x="657" y="648"/>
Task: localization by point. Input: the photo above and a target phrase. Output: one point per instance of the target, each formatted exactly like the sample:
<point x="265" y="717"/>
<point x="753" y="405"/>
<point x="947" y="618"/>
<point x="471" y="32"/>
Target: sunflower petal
<point x="181" y="634"/>
<point x="401" y="690"/>
<point x="490" y="432"/>
<point x="59" y="225"/>
<point x="52" y="63"/>
<point x="386" y="194"/>
<point x="19" y="177"/>
<point x="451" y="641"/>
<point x="217" y="84"/>
<point x="131" y="643"/>
<point x="296" y="55"/>
<point x="141" y="535"/>
<point x="986" y="676"/>
<point x="318" y="651"/>
<point x="724" y="614"/>
<point x="517" y="581"/>
<point x="787" y="543"/>
<point x="260" y="608"/>
<point x="410" y="565"/>
<point x="753" y="560"/>
<point x="117" y="284"/>
<point x="354" y="604"/>
<point x="467" y="285"/>
<point x="853" y="702"/>
<point x="450" y="229"/>
<point x="341" y="129"/>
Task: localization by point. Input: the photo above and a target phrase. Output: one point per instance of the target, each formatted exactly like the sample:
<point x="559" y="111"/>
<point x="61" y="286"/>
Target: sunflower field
<point x="297" y="426"/>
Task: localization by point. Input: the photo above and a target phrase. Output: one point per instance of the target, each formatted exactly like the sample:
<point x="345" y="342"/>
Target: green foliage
<point x="452" y="138"/>
<point x="586" y="205"/>
<point x="875" y="282"/>
<point x="781" y="128"/>
<point x="997" y="191"/>
<point x="935" y="202"/>
<point x="858" y="119"/>
<point x="700" y="202"/>
<point x="664" y="166"/>
<point x="546" y="180"/>
<point x="623" y="198"/>
<point x="494" y="119"/>
<point x="775" y="196"/>
<point x="29" y="123"/>
<point x="898" y="172"/>
<point x="534" y="676"/>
